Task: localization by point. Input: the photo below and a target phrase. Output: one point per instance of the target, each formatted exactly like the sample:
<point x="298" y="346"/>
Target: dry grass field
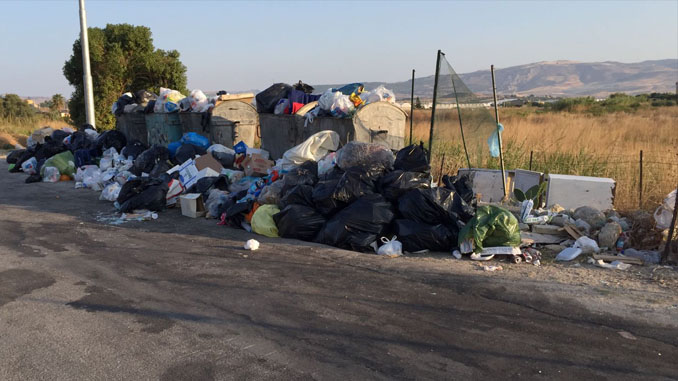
<point x="578" y="143"/>
<point x="12" y="134"/>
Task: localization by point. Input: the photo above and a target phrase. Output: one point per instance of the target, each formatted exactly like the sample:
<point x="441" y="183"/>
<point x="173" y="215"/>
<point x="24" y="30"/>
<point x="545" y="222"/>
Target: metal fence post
<point x="640" y="186"/>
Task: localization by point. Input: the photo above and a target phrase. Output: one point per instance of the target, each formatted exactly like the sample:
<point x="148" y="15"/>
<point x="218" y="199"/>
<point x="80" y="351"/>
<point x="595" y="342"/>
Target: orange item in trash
<point x="248" y="216"/>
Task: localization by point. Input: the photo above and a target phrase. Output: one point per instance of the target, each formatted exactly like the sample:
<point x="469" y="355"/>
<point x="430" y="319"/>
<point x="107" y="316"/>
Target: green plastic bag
<point x="64" y="162"/>
<point x="262" y="220"/>
<point x="11" y="166"/>
<point x="491" y="226"/>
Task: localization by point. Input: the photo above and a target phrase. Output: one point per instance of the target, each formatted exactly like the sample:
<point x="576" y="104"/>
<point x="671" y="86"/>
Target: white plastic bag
<point x="336" y="103"/>
<point x="30" y="166"/>
<point x="168" y="101"/>
<point x="198" y="101"/>
<point x="220" y="148"/>
<point x="110" y="193"/>
<point x="586" y="244"/>
<point x="390" y="247"/>
<point x="327" y="163"/>
<point x="568" y="254"/>
<point x="377" y="95"/>
<point x="51" y="175"/>
<point x="252" y="244"/>
<point x="664" y="212"/>
<point x="313" y="148"/>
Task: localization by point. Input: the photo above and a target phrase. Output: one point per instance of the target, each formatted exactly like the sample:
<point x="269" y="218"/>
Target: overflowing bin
<point x="379" y="122"/>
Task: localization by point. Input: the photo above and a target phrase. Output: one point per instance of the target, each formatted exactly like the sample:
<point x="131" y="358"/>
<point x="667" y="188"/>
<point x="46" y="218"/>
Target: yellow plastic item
<point x="355" y="98"/>
<point x="262" y="220"/>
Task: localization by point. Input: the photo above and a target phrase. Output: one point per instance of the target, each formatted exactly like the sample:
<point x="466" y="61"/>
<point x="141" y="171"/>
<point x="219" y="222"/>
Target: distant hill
<point x="556" y="78"/>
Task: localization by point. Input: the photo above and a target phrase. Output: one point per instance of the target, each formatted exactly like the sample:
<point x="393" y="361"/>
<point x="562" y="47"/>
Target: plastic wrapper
<point x="416" y="236"/>
<point x="358" y="226"/>
<point x="491" y="226"/>
<point x="355" y="154"/>
<point x="327" y="163"/>
<point x="110" y="192"/>
<point x="299" y="221"/>
<point x="313" y="148"/>
<point x="50" y="174"/>
<point x="30" y="166"/>
<point x="168" y="101"/>
<point x="390" y="247"/>
<point x="377" y="95"/>
<point x="198" y="101"/>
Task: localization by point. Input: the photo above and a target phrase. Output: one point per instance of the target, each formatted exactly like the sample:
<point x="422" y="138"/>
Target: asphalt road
<point x="179" y="299"/>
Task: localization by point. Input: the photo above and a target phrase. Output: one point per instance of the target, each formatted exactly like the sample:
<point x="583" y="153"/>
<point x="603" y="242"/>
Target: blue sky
<point x="246" y="45"/>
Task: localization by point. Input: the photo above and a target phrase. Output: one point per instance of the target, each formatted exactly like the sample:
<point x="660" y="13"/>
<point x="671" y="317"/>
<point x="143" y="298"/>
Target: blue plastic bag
<point x="173" y="147"/>
<point x="493" y="141"/>
<point x="195" y="139"/>
<point x="240" y="147"/>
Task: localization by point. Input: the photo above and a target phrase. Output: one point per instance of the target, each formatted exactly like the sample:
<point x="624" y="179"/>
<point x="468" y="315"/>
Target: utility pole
<point x="86" y="72"/>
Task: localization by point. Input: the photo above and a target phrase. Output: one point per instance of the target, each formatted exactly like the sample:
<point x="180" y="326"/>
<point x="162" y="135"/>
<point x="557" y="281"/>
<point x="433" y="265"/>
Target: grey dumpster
<point x="133" y="126"/>
<point x="234" y="121"/>
<point x="379" y="122"/>
<point x="194" y="122"/>
<point x="163" y="128"/>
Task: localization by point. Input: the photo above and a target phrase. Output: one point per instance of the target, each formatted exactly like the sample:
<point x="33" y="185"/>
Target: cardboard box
<point x="256" y="165"/>
<point x="192" y="205"/>
<point x="175" y="189"/>
<point x="208" y="161"/>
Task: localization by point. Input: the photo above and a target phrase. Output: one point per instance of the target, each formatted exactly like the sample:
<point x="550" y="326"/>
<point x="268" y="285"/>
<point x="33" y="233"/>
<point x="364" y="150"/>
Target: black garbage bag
<point x="462" y="185"/>
<point x="206" y="184"/>
<point x="25" y="155"/>
<point x="159" y="169"/>
<point x="357" y="182"/>
<point x="305" y="174"/>
<point x="59" y="135"/>
<point x="110" y="139"/>
<point x="143" y="193"/>
<point x="416" y="236"/>
<point x="34" y="178"/>
<point x="224" y="158"/>
<point x="299" y="221"/>
<point x="187" y="151"/>
<point x="298" y="195"/>
<point x="396" y="183"/>
<point x="358" y="225"/>
<point x="267" y="99"/>
<point x="83" y="157"/>
<point x="149" y="107"/>
<point x="14" y="156"/>
<point x="308" y="89"/>
<point x="122" y="101"/>
<point x="145" y="162"/>
<point x="323" y="198"/>
<point x="430" y="206"/>
<point x="79" y="140"/>
<point x="142" y="97"/>
<point x="333" y="174"/>
<point x="49" y="149"/>
<point x="134" y="148"/>
<point x="412" y="158"/>
<point x="235" y="213"/>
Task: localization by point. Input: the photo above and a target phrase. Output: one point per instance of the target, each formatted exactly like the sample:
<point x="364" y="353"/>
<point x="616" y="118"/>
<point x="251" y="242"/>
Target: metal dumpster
<point x="163" y="128"/>
<point x="133" y="126"/>
<point x="234" y="121"/>
<point x="195" y="122"/>
<point x="379" y="122"/>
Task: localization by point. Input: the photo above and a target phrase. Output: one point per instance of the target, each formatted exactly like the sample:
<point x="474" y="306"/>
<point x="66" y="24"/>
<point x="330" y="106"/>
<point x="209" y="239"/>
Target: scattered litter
<point x="252" y="244"/>
<point x="391" y="248"/>
<point x="568" y="254"/>
<point x="492" y="268"/>
<point x="615" y="265"/>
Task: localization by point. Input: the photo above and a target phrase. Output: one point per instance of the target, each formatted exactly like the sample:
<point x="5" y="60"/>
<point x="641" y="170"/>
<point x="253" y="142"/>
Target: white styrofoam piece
<point x="571" y="191"/>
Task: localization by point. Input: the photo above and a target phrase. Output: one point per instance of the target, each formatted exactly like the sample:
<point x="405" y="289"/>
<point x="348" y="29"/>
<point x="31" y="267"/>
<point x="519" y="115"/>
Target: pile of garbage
<point x="635" y="239"/>
<point x="360" y="196"/>
<point x="168" y="101"/>
<point x="281" y="98"/>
